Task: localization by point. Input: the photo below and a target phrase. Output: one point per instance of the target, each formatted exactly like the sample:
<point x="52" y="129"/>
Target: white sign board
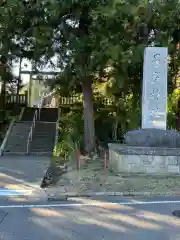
<point x="154" y="95"/>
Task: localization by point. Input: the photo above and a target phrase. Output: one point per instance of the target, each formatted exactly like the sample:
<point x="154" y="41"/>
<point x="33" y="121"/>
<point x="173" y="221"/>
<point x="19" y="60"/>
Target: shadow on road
<point x="93" y="222"/>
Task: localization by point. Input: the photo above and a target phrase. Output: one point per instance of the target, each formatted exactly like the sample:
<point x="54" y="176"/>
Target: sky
<point x="26" y="65"/>
<point x="15" y="70"/>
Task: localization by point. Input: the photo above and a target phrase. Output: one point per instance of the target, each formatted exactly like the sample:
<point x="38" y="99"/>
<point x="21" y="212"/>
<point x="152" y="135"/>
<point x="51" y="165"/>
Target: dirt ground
<point x="92" y="178"/>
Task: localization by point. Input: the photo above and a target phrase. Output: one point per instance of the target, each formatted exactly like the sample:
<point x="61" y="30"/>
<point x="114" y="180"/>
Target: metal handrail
<point x="31" y="130"/>
<point x="40" y="106"/>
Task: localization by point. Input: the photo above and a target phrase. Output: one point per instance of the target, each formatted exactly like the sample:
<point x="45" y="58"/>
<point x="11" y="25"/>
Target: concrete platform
<point x="148" y="160"/>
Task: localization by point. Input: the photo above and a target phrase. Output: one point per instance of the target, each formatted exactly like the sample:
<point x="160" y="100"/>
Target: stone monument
<point x="153" y="148"/>
<point x="154" y="104"/>
<point x="154" y="94"/>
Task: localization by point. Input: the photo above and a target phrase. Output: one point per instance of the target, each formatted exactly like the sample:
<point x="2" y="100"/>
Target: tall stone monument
<point x="154" y="94"/>
<point x="153" y="131"/>
<point x="153" y="149"/>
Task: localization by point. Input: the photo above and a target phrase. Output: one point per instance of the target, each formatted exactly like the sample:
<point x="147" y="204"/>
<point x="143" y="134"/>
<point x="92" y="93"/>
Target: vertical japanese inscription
<point x="154" y="99"/>
<point x="155" y="92"/>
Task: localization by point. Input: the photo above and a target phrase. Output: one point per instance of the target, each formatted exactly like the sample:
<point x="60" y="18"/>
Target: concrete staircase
<point x="17" y="140"/>
<point x="28" y="114"/>
<point x="48" y="115"/>
<point x="44" y="133"/>
<point x="43" y="137"/>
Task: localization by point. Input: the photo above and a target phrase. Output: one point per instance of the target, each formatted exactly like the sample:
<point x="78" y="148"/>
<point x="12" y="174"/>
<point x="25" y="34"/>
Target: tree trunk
<point x="89" y="129"/>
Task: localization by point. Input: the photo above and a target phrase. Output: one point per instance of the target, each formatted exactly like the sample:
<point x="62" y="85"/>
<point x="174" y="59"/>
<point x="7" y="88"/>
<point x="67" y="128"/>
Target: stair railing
<point x="31" y="130"/>
<point x="40" y="106"/>
<point x="41" y="102"/>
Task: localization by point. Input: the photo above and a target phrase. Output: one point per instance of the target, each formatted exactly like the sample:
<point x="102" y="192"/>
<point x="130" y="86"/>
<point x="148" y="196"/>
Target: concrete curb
<point x="7" y="135"/>
<point x="57" y="197"/>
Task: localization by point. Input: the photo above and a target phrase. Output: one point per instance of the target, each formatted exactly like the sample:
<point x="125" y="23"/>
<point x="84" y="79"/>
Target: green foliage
<point x="172" y="108"/>
<point x="71" y="138"/>
<point x="96" y="40"/>
<point x="115" y="36"/>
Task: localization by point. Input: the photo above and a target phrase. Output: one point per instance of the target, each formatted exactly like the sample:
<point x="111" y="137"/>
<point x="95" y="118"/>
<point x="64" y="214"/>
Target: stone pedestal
<point x="144" y="160"/>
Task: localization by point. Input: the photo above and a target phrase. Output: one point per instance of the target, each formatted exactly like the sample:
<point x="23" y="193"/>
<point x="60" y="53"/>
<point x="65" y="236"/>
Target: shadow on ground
<point x="22" y="171"/>
<point x="83" y="222"/>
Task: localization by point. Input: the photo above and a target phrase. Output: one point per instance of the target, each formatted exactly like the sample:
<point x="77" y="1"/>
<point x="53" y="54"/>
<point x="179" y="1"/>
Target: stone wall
<point x="149" y="160"/>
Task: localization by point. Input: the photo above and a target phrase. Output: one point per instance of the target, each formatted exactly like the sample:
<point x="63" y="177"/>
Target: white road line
<point x="87" y="204"/>
<point x="12" y="192"/>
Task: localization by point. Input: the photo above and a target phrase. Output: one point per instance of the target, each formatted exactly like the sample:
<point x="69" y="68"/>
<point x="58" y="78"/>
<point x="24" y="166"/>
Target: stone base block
<point x="128" y="159"/>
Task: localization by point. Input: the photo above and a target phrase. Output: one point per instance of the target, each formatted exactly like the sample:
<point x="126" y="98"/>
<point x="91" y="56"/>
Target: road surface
<point x="117" y="218"/>
<point x="99" y="218"/>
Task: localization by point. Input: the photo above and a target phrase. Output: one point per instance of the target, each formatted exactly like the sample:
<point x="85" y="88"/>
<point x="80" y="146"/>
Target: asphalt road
<point x="116" y="218"/>
<point x="100" y="218"/>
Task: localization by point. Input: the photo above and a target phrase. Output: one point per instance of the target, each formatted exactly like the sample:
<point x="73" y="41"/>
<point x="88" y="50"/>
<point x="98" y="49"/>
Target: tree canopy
<point x="95" y="41"/>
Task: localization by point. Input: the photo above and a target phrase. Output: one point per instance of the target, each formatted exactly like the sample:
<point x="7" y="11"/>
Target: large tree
<point x="93" y="40"/>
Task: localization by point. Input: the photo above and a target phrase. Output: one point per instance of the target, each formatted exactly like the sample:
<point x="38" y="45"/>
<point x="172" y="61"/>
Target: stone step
<point x="47" y="147"/>
<point x="15" y="153"/>
<point x="35" y="142"/>
<point x="14" y="145"/>
<point x="17" y="140"/>
<point x="45" y="135"/>
<point x="46" y="114"/>
<point x="43" y="138"/>
<point x="41" y="142"/>
<point x="42" y="149"/>
<point x="40" y="154"/>
<point x="28" y="114"/>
